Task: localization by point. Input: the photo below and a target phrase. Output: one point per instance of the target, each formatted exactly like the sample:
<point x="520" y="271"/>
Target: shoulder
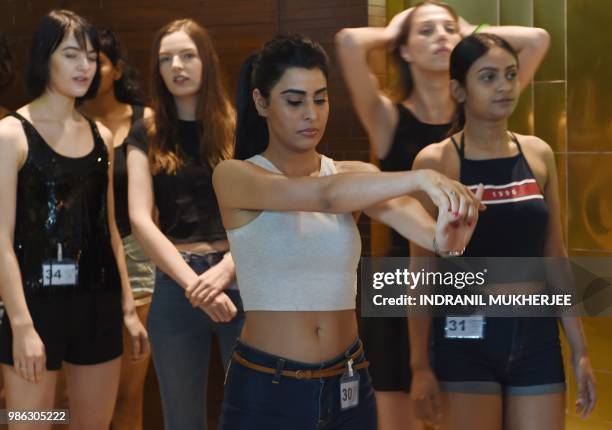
<point x="148" y="113"/>
<point x="355" y="167"/>
<point x="535" y="145"/>
<point x="536" y="148"/>
<point x="436" y="155"/>
<point x="12" y="137"/>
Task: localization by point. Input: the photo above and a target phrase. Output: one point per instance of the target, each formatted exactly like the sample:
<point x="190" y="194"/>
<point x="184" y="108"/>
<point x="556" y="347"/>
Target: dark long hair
<point x="404" y="84"/>
<point x="127" y="89"/>
<point x="7" y="72"/>
<point x="53" y="28"/>
<point x="262" y="71"/>
<point x="465" y="54"/>
<point x="214" y="112"/>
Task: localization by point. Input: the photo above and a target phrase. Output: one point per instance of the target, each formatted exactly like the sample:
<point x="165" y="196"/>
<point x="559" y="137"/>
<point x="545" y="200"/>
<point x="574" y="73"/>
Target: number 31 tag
<point x="349" y="388"/>
<point x="471" y="327"/>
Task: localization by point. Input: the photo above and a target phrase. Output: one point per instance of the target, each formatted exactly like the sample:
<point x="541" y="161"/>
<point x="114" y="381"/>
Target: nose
<point x="176" y="63"/>
<point x="505" y="85"/>
<point x="83" y="63"/>
<point x="310" y="111"/>
<point x="441" y="32"/>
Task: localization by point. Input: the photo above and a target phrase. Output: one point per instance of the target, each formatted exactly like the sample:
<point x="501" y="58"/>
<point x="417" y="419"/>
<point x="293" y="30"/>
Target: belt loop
<point x="280" y="365"/>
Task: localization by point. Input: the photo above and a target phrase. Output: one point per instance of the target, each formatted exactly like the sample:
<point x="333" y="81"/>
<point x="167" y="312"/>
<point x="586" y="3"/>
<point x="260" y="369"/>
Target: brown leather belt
<point x="336" y="369"/>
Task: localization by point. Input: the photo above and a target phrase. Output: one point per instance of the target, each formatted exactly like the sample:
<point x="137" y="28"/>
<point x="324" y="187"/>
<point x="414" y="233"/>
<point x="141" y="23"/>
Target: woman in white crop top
<point x="290" y="216"/>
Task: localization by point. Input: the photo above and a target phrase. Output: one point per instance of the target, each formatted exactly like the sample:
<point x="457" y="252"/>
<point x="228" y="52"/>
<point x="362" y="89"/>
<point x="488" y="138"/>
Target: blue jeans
<point x="180" y="341"/>
<point x="253" y="402"/>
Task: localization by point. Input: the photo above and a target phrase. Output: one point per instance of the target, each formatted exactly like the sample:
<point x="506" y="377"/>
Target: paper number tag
<point x="349" y="392"/>
<point x="56" y="273"/>
<point x="471" y="327"/>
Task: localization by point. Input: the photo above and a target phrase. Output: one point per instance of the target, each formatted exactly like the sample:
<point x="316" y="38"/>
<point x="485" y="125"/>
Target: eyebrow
<point x="78" y="48"/>
<point x="180" y="51"/>
<point x="302" y="92"/>
<point x="494" y="69"/>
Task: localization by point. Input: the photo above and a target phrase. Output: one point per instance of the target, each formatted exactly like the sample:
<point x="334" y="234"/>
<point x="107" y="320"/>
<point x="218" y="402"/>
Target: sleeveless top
<point x="120" y="179"/>
<point x="514" y="224"/>
<point x="297" y="261"/>
<point x="186" y="200"/>
<point x="411" y="136"/>
<point x="63" y="201"/>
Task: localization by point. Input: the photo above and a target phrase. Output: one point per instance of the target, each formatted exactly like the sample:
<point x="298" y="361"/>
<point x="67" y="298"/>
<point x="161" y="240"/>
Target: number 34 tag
<point x="349" y="388"/>
<point x="63" y="272"/>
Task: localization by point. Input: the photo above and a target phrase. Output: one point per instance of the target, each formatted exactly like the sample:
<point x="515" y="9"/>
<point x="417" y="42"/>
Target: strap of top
<point x="515" y="140"/>
<point x="460" y="149"/>
<point x="137" y="113"/>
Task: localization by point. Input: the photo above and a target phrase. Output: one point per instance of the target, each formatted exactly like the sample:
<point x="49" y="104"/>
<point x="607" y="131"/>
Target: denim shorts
<point x="253" y="401"/>
<point x="517" y="356"/>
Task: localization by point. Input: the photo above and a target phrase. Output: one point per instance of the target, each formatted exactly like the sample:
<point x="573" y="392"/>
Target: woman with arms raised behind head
<point x="422" y="39"/>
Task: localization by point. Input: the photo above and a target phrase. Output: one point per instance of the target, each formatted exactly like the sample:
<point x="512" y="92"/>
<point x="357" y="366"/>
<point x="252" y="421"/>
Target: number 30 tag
<point x="349" y="388"/>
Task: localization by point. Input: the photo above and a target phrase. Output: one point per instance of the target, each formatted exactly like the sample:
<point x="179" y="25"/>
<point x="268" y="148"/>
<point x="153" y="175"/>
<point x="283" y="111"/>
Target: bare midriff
<point x="203" y="247"/>
<point x="306" y="336"/>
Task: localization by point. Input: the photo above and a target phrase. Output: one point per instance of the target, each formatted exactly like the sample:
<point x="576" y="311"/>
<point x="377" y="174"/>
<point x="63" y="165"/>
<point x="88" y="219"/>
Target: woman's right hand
<point x="425" y="395"/>
<point x="394" y="28"/>
<point x="29" y="357"/>
<point x="221" y="309"/>
<point x="449" y="195"/>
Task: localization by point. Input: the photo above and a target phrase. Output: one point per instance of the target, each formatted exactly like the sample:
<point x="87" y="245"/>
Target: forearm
<point x="520" y="38"/>
<point x="572" y="326"/>
<point x="11" y="289"/>
<point x="408" y="217"/>
<point x="351" y="192"/>
<point x="127" y="298"/>
<point x="356" y="41"/>
<point x="419" y="341"/>
<point x="162" y="252"/>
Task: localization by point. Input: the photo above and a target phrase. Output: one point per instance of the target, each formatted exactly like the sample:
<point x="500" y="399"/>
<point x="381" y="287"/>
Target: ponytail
<point x="251" y="129"/>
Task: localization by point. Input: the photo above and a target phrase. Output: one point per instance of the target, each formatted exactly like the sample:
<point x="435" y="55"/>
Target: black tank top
<point x="514" y="224"/>
<point x="411" y="136"/>
<point x="62" y="200"/>
<point x="120" y="179"/>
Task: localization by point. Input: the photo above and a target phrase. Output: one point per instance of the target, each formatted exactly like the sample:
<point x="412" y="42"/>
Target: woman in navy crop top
<point x="170" y="161"/>
<point x="419" y="114"/>
<point x="510" y="374"/>
<point x="291" y="223"/>
<point x="118" y="104"/>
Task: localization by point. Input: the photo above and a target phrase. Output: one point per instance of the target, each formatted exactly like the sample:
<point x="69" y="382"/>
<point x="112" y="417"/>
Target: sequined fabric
<point x="62" y="200"/>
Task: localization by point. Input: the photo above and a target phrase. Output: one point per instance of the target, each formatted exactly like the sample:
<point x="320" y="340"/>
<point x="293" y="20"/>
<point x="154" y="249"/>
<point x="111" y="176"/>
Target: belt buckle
<point x="299" y="374"/>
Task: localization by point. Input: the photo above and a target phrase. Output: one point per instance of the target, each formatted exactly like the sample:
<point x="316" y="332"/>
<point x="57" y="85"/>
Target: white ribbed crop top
<point x="296" y="261"/>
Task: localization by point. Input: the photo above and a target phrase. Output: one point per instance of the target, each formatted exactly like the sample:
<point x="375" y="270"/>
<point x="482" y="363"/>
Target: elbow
<point x="345" y="41"/>
<point x="541" y="39"/>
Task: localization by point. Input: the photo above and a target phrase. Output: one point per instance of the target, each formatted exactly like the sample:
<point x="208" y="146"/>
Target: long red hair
<point x="214" y="113"/>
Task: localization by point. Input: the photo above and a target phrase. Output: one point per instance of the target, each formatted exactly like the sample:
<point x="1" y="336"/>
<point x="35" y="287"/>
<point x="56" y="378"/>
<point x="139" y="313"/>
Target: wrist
<point x="420" y="366"/>
<point x="21" y="326"/>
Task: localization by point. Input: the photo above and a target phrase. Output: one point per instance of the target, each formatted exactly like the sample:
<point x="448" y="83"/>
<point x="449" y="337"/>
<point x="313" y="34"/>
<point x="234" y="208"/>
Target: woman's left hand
<point x="586" y="395"/>
<point x="210" y="283"/>
<point x="454" y="231"/>
<point x="139" y="339"/>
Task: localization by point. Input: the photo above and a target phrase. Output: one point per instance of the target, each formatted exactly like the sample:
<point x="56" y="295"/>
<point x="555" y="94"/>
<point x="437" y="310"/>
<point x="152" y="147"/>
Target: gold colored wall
<point x="568" y="105"/>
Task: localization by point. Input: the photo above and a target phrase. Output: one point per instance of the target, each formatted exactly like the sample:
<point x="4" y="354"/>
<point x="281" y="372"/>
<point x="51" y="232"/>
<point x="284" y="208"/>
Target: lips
<point x="81" y="80"/>
<point x="442" y="50"/>
<point x="504" y="101"/>
<point x="309" y="132"/>
<point x="180" y="79"/>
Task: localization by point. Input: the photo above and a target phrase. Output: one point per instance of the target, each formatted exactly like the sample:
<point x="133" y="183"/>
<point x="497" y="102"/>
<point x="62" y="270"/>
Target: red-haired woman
<point x="170" y="162"/>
